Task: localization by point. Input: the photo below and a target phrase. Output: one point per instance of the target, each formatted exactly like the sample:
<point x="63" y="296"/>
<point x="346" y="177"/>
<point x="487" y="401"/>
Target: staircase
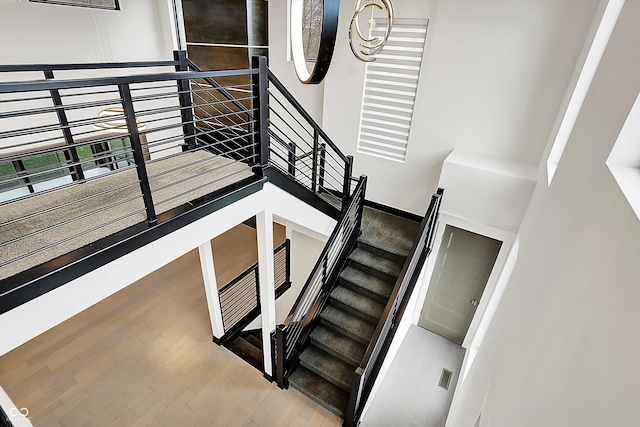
<point x="248" y="345"/>
<point x="338" y="343"/>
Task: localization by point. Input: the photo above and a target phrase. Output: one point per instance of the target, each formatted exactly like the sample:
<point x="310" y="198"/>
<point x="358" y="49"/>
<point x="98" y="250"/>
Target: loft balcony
<point x="94" y="167"/>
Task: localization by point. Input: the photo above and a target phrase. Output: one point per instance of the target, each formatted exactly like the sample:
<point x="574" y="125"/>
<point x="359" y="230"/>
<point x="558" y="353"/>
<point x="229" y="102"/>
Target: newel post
<point x="261" y="108"/>
<point x="186" y="103"/>
<point x="280" y="362"/>
<point x="346" y="186"/>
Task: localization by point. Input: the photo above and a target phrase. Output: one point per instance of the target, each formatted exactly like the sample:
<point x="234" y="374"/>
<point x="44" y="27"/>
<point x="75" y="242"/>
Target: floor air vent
<point x="445" y="379"/>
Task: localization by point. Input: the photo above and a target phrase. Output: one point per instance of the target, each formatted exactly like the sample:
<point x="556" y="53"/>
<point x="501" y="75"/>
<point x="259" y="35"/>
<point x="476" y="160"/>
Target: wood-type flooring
<point x="145" y="356"/>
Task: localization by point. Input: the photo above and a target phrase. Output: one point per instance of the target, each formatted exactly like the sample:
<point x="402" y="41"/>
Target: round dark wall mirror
<point x="314" y="25"/>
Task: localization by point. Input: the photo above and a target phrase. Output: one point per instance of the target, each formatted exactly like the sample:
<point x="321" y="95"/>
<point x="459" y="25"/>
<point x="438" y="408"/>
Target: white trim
<point x="624" y="160"/>
<point x="599" y="44"/>
<point x="211" y="289"/>
<point x="264" y="230"/>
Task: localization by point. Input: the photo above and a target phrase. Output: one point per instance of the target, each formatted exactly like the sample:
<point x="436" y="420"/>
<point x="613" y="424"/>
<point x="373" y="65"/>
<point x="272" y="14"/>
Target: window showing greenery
<point x="47" y="167"/>
<point x="7" y="174"/>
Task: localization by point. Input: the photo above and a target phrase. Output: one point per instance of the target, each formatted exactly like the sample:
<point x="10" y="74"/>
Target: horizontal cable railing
<point x="101" y="152"/>
<point x="240" y="298"/>
<point x="84" y="158"/>
<point x="301" y="150"/>
<point x="291" y="336"/>
<point x="367" y="372"/>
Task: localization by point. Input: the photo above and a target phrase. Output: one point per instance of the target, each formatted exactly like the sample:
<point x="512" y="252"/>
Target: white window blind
<point x="390" y="86"/>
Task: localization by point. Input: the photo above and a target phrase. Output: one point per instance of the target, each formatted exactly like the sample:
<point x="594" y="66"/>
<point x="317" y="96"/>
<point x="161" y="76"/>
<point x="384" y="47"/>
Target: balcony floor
<point x="51" y="224"/>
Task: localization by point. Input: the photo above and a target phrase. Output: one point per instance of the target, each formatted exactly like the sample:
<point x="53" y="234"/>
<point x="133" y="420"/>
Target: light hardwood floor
<point x="237" y="249"/>
<point x="145" y="356"/>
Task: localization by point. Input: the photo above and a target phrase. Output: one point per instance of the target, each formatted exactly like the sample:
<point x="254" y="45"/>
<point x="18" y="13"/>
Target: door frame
<point x="479" y="319"/>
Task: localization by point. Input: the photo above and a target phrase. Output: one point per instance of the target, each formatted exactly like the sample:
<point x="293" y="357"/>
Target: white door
<point x="463" y="266"/>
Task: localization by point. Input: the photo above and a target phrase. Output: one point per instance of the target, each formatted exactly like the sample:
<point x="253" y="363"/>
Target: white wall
<point x="562" y="347"/>
<point x="493" y="76"/>
<point x="305" y="251"/>
<point x="43" y="33"/>
<point x="486" y="190"/>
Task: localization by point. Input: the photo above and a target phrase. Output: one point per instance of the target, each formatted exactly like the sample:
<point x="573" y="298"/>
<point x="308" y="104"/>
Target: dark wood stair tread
<point x="257" y="342"/>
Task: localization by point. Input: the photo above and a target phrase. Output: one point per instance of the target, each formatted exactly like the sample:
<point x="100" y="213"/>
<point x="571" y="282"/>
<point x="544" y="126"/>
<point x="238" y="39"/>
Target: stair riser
<point x="372" y="271"/>
<point x="326" y="394"/>
<point x="327" y="377"/>
<point x="311" y="396"/>
<point x="364" y="316"/>
<point x="355" y="337"/>
<point x="399" y="259"/>
<point x="366" y="292"/>
<point x="337" y="354"/>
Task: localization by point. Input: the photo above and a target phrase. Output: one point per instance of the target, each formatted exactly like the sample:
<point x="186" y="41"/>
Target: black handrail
<point x="85" y="66"/>
<point x="366" y="374"/>
<point x="41" y="85"/>
<point x="291" y="336"/>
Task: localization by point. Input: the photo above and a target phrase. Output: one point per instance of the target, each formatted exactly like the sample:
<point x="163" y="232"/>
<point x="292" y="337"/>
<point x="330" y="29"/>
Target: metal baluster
<point x="70" y="154"/>
<point x="138" y="154"/>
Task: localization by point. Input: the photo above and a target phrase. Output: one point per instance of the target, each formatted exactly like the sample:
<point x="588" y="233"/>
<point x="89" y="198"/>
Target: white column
<point x="288" y="231"/>
<point x="264" y="227"/>
<point x="211" y="289"/>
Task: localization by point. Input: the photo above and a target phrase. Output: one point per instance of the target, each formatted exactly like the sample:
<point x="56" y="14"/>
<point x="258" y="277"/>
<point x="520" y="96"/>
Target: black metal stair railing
<point x="302" y="151"/>
<point x="88" y="162"/>
<point x="240" y="298"/>
<point x="366" y="374"/>
<point x="290" y="337"/>
<point x="84" y="158"/>
<point x="294" y="144"/>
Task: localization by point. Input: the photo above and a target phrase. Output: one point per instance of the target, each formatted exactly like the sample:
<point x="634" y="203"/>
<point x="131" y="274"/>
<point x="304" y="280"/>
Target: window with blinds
<point x="390" y="86"/>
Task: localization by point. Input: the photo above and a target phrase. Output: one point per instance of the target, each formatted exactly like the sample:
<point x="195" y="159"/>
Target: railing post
<point x="363" y="178"/>
<point x="314" y="162"/>
<point x="280" y="334"/>
<point x="257" y="277"/>
<point x="346" y="186"/>
<point x="321" y="166"/>
<point x="354" y="400"/>
<point x="292" y="160"/>
<point x="22" y="173"/>
<point x="186" y="103"/>
<point x="287" y="260"/>
<point x="261" y="106"/>
<point x="138" y="153"/>
<point x="70" y="154"/>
